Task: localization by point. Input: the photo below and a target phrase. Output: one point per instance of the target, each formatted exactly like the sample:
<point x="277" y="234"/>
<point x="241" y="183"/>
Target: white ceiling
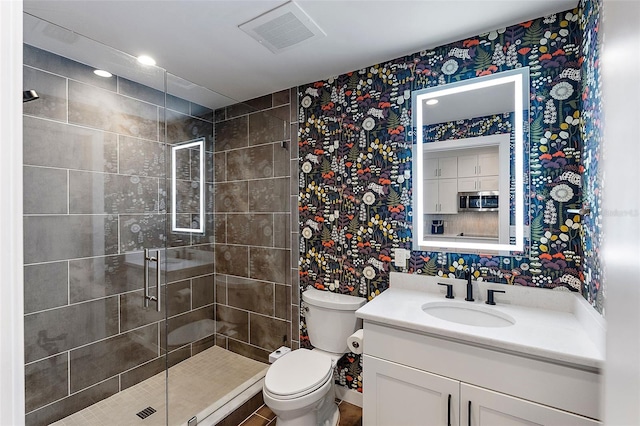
<point x="200" y="40"/>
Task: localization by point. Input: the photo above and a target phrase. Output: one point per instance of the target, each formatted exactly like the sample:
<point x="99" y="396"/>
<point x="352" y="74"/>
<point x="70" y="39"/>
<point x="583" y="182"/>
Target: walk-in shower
<point x="156" y="238"/>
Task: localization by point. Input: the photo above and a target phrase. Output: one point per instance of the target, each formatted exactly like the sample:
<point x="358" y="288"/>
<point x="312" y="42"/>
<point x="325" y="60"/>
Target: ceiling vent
<point x="282" y="28"/>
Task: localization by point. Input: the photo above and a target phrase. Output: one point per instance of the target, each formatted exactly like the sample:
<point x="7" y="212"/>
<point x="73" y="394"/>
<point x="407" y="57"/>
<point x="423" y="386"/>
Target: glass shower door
<point x="119" y="203"/>
<point x="190" y="325"/>
<point x="95" y="232"/>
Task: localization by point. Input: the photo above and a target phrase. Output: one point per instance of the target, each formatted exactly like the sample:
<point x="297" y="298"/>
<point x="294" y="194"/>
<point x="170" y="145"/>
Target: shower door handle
<point x="158" y="274"/>
<point x="147" y="296"/>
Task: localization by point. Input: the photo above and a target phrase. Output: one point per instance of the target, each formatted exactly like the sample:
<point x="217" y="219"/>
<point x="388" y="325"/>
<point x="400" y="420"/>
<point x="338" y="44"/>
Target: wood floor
<point x="350" y="415"/>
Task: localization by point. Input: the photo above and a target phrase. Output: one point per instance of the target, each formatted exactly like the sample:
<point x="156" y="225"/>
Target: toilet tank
<point x="330" y="318"/>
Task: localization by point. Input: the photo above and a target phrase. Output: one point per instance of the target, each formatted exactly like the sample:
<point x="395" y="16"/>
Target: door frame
<point x="11" y="262"/>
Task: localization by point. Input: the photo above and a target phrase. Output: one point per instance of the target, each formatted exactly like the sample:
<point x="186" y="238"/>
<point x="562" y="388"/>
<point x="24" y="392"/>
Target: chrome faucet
<point x="467" y="275"/>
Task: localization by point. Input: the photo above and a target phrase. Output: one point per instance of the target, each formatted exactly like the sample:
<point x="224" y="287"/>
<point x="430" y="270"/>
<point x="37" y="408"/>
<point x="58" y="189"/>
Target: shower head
<point x="29" y="95"/>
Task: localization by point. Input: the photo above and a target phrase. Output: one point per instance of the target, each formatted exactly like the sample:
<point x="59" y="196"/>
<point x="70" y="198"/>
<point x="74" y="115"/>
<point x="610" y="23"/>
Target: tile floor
<point x="210" y="377"/>
<point x="350" y="415"/>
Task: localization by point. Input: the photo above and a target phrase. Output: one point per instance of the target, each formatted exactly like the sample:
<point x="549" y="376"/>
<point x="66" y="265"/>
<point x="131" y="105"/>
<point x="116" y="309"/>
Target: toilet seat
<point x="298" y="373"/>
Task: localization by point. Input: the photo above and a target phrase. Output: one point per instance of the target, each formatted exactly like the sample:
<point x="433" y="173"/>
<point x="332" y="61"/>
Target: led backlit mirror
<point x="468" y="162"/>
<point x="187" y="186"/>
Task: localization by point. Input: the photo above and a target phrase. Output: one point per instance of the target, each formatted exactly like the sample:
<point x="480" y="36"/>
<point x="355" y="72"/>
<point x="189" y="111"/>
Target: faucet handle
<point x="490" y="293"/>
<point x="468" y="276"/>
<point x="449" y="290"/>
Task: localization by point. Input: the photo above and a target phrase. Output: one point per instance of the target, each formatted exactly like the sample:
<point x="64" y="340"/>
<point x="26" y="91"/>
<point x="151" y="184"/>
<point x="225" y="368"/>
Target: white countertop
<point x="551" y="325"/>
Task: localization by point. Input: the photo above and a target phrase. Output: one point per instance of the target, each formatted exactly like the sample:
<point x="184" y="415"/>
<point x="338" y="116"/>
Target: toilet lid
<point x="298" y="372"/>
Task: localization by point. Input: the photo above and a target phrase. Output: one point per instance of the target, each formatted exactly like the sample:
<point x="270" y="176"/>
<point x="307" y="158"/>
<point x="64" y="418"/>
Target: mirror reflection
<point x="187" y="186"/>
<point x="469" y="166"/>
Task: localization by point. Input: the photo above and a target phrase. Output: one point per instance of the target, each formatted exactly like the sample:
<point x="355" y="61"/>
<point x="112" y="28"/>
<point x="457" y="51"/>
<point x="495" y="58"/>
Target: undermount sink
<point x="475" y="315"/>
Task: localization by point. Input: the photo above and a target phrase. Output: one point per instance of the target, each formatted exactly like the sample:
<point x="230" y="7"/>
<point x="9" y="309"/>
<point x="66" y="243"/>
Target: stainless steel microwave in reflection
<point x="483" y="201"/>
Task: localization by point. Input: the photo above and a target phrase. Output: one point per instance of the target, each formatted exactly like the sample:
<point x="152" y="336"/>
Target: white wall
<point x="11" y="302"/>
<point x="621" y="209"/>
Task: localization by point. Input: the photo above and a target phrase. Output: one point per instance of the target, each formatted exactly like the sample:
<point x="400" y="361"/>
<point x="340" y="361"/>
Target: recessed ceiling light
<point x="103" y="73"/>
<point x="432" y="102"/>
<point x="146" y="60"/>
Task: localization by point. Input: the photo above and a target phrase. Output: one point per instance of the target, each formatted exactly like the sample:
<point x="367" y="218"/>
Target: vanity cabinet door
<point x="490" y="408"/>
<point x="395" y="394"/>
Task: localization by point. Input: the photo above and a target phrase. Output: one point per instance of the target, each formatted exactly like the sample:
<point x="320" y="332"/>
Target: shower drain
<point x="146" y="412"/>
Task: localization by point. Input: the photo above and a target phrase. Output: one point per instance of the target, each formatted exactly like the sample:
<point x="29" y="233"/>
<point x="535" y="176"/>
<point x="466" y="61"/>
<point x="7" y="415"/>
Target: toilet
<point x="298" y="387"/>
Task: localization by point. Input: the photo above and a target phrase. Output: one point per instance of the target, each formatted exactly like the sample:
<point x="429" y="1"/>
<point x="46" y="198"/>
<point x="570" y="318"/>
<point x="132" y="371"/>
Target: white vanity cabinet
<point x="416" y="379"/>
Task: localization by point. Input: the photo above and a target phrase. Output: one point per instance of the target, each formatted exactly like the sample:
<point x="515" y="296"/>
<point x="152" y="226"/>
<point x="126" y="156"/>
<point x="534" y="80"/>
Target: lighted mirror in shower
<point x="187" y="186"/>
<point x="469" y="150"/>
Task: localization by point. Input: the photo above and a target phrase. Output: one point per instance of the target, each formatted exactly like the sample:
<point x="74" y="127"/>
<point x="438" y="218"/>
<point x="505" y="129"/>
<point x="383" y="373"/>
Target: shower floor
<point x="198" y="386"/>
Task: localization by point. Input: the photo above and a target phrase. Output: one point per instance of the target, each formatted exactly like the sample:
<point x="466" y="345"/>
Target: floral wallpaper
<point x="355" y="185"/>
<point x="591" y="133"/>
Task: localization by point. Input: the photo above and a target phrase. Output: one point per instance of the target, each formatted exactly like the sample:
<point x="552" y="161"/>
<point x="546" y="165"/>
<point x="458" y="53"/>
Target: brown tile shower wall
<point x="253" y="153"/>
<point x="94" y="172"/>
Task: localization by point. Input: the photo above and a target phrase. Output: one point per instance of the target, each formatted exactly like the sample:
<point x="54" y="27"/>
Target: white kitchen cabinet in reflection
<point x="478" y="172"/>
<point x="482" y="183"/>
<point x="441" y="168"/>
<point x="440" y="196"/>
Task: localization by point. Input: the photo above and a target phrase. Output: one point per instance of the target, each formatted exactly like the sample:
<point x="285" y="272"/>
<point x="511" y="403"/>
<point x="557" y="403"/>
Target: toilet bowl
<point x="298" y="388"/>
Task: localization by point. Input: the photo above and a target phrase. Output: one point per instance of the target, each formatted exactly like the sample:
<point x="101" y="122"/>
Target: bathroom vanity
<point x="534" y="357"/>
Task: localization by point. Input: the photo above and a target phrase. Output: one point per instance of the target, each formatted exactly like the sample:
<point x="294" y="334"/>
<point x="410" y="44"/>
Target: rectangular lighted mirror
<point x="187" y="186"/>
<point x="468" y="163"/>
